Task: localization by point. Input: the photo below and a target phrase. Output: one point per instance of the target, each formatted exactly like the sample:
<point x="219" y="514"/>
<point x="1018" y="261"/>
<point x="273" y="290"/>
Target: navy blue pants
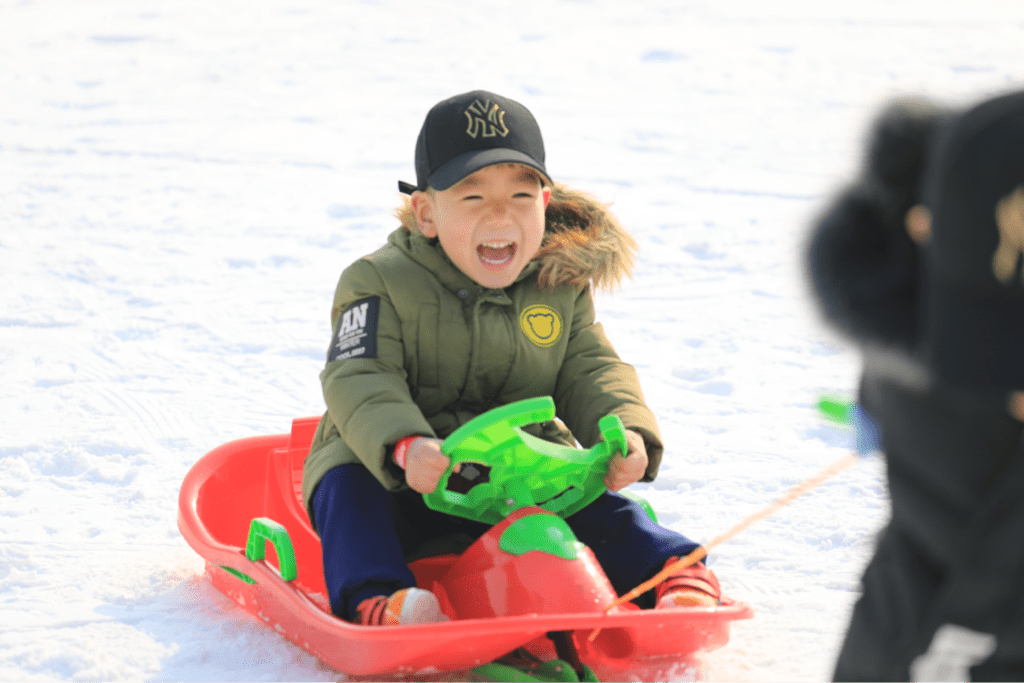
<point x="367" y="532"/>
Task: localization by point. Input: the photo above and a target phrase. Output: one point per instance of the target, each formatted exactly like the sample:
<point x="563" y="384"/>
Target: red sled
<point x="523" y="593"/>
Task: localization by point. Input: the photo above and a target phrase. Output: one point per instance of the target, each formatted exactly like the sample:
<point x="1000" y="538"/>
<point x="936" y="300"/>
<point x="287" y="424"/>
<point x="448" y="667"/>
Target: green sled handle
<point x="504" y="468"/>
<point x="263" y="530"/>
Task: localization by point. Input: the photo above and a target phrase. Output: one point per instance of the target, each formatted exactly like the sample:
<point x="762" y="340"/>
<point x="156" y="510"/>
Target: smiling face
<point x="490" y="224"/>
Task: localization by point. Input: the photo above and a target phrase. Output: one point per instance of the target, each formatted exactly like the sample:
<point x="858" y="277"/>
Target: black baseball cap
<point x="468" y="132"/>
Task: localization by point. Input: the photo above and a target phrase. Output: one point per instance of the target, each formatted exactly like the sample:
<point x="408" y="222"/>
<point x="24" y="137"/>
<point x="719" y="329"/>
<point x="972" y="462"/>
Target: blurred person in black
<point x="919" y="262"/>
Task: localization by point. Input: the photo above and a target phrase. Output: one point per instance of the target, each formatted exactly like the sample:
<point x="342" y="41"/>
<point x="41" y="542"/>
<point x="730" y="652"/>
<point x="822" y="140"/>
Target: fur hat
<point x="862" y="264"/>
<point x="955" y="304"/>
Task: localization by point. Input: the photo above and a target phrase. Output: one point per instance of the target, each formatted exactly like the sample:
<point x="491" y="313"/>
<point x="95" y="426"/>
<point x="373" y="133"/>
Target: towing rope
<point x="702" y="551"/>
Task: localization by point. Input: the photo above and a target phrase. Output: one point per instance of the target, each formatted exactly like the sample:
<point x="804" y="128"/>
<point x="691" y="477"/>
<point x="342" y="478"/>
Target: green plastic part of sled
<point x="502" y="672"/>
<point x="524" y="470"/>
<point x="545" y="533"/>
<point x="237" y="574"/>
<point x="552" y="670"/>
<point x="642" y="502"/>
<point x="836" y="409"/>
<point x="263" y="530"/>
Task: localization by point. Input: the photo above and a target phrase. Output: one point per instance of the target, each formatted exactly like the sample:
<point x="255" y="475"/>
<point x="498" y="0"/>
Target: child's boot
<point x="693" y="586"/>
<point x="407" y="606"/>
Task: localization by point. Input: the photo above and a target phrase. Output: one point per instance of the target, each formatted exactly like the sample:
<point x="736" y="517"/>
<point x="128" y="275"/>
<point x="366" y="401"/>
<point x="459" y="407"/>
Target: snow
<point x="183" y="182"/>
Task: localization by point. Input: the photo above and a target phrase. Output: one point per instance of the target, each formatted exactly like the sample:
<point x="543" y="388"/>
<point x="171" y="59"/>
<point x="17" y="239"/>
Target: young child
<point x="920" y="263"/>
<point x="482" y="297"/>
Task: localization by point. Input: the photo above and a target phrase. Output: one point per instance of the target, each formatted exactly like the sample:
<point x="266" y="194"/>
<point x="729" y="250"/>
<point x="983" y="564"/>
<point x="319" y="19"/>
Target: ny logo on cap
<point x="485" y="119"/>
<point x="1010" y="220"/>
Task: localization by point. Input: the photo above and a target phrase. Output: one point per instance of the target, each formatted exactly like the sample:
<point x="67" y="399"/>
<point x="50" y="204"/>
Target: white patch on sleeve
<point x="952" y="653"/>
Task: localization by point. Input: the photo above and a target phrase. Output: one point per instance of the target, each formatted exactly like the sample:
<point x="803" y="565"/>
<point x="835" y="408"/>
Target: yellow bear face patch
<point x="541" y="325"/>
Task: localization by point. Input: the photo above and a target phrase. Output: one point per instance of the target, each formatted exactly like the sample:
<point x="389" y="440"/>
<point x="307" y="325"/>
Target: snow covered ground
<point x="182" y="182"/>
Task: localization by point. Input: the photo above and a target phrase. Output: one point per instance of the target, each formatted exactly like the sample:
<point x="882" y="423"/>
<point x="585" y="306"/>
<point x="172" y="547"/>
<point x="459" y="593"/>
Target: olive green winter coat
<point x="420" y="348"/>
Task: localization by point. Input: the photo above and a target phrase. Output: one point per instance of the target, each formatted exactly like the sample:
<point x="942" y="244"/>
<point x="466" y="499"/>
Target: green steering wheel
<point x="503" y="468"/>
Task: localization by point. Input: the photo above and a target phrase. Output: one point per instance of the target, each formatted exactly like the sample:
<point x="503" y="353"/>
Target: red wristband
<point x="402" y="449"/>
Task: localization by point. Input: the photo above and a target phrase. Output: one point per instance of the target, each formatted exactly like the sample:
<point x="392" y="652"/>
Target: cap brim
<point x="466" y="164"/>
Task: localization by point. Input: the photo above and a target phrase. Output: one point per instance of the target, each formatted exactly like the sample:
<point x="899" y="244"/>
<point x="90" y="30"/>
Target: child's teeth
<point x="496" y="253"/>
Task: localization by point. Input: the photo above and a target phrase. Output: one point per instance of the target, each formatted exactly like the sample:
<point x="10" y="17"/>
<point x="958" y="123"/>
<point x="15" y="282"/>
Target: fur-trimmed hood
<point x="583" y="241"/>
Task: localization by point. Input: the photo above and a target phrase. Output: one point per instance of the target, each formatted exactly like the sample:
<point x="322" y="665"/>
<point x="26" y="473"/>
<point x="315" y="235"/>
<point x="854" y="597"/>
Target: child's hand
<point x="424" y="464"/>
<point x="623" y="471"/>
